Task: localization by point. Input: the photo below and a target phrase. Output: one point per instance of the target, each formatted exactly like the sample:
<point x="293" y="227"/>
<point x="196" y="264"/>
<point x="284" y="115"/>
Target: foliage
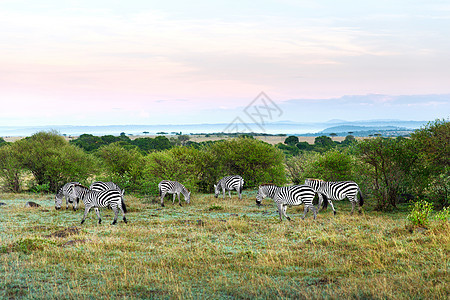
<point x="3" y="142"/>
<point x="323" y="143"/>
<point x="182" y="164"/>
<point x="291" y="140"/>
<point x="392" y="162"/>
<point x="432" y="143"/>
<point x="420" y="213"/>
<point x="256" y="161"/>
<point x="332" y="165"/>
<point x="10" y="169"/>
<point x="52" y="160"/>
<point x="443" y="215"/>
<point x="122" y="166"/>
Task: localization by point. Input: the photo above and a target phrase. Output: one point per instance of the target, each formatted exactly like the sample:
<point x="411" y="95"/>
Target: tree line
<point x="389" y="170"/>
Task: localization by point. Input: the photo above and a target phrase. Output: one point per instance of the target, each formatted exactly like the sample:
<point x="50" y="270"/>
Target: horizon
<point x="151" y="62"/>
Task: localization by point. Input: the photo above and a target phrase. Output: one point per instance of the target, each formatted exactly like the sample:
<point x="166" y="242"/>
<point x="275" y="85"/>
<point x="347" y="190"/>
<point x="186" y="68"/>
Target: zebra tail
<point x="325" y="201"/>
<point x="124" y="207"/>
<point x="361" y="200"/>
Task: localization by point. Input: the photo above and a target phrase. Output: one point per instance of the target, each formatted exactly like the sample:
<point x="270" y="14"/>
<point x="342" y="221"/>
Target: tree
<point x="123" y="165"/>
<point x="392" y="162"/>
<point x="52" y="160"/>
<point x="10" y="169"/>
<point x="183" y="139"/>
<point x="433" y="144"/>
<point x="291" y="140"/>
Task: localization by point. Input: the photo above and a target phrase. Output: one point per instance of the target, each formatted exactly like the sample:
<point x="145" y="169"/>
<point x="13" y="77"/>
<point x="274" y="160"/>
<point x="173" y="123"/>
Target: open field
<point x="215" y="248"/>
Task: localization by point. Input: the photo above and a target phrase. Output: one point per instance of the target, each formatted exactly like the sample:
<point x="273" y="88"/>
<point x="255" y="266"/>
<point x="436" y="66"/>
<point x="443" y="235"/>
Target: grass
<point x="215" y="248"/>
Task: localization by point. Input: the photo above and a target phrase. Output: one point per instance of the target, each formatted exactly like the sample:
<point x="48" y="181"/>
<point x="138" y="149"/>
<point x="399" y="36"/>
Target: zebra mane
<point x="80" y="185"/>
<point x="267" y="184"/>
<point x="314" y="179"/>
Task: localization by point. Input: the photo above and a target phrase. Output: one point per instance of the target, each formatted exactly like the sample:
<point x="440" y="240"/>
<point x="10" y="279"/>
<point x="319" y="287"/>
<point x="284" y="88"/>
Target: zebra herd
<point x="108" y="194"/>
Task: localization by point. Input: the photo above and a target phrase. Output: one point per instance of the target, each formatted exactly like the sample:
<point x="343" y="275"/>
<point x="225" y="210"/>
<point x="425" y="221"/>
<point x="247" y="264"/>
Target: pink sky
<point x="114" y="63"/>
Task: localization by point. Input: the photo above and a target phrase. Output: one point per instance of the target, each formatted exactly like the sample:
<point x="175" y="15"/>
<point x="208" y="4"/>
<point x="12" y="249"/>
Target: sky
<point x="190" y="62"/>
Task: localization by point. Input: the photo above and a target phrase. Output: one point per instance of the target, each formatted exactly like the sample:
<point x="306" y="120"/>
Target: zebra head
<point x="188" y="198"/>
<point x="216" y="190"/>
<point x="260" y="196"/>
<point x="58" y="199"/>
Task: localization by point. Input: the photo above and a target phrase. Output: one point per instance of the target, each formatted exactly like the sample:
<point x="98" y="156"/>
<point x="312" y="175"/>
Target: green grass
<point x="215" y="248"/>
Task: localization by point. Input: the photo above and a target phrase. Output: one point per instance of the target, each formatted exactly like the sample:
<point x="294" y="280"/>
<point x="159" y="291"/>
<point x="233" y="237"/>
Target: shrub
<point x="10" y="169"/>
<point x="52" y="160"/>
<point x="420" y="213"/>
<point x="256" y="161"/>
<point x="443" y="215"/>
<point x="123" y="166"/>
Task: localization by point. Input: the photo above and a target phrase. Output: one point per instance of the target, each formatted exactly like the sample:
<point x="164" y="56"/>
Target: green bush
<point x="10" y="169"/>
<point x="420" y="213"/>
<point x="182" y="164"/>
<point x="443" y="215"/>
<point x="332" y="165"/>
<point x="256" y="161"/>
<point x="121" y="165"/>
<point x="52" y="160"/>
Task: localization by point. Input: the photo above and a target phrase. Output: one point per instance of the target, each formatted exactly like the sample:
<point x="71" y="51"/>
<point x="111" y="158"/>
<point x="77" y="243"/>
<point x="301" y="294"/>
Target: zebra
<point x="66" y="191"/>
<point x="94" y="199"/>
<point x="175" y="188"/>
<point x="104" y="186"/>
<point x="338" y="190"/>
<point x="229" y="183"/>
<point x="266" y="191"/>
<point x="289" y="196"/>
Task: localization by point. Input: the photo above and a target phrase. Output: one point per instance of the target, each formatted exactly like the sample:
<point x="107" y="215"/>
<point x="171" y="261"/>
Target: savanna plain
<point x="216" y="248"/>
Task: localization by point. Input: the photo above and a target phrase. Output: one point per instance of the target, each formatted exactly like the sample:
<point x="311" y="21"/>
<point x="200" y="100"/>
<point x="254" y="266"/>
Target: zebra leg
<point x="98" y="215"/>
<point x="179" y="200"/>
<point x="240" y="193"/>
<point x="86" y="210"/>
<point x="280" y="211"/>
<point x="162" y="199"/>
<point x="173" y="200"/>
<point x="305" y="212"/>
<point x="314" y="211"/>
<point x="320" y="201"/>
<point x="229" y="193"/>
<point x="116" y="215"/>
<point x="67" y="202"/>
<point x="284" y="212"/>
<point x="223" y="190"/>
<point x="332" y="207"/>
<point x="353" y="207"/>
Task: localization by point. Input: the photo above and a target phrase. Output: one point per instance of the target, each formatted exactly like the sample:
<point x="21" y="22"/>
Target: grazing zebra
<point x="229" y="183"/>
<point x="289" y="196"/>
<point x="266" y="191"/>
<point x="66" y="191"/>
<point x="94" y="199"/>
<point x="337" y="191"/>
<point x="175" y="188"/>
<point x="104" y="186"/>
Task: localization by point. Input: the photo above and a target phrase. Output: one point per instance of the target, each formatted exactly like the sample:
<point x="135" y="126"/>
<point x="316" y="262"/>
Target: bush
<point x="420" y="213"/>
<point x="443" y="215"/>
<point x="123" y="166"/>
<point x="52" y="160"/>
<point x="182" y="164"/>
<point x="10" y="169"/>
<point x="329" y="166"/>
<point x="256" y="161"/>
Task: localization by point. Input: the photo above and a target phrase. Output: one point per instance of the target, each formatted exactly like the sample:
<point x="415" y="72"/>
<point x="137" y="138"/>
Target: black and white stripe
<point x="96" y="199"/>
<point x="104" y="186"/>
<point x="266" y="191"/>
<point x="290" y="196"/>
<point x="338" y="190"/>
<point x="175" y="188"/>
<point x="66" y="191"/>
<point x="229" y="183"/>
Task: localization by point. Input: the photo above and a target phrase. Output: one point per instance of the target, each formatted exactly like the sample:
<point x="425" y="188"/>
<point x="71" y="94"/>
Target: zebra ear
<point x="215" y="186"/>
<point x="123" y="192"/>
